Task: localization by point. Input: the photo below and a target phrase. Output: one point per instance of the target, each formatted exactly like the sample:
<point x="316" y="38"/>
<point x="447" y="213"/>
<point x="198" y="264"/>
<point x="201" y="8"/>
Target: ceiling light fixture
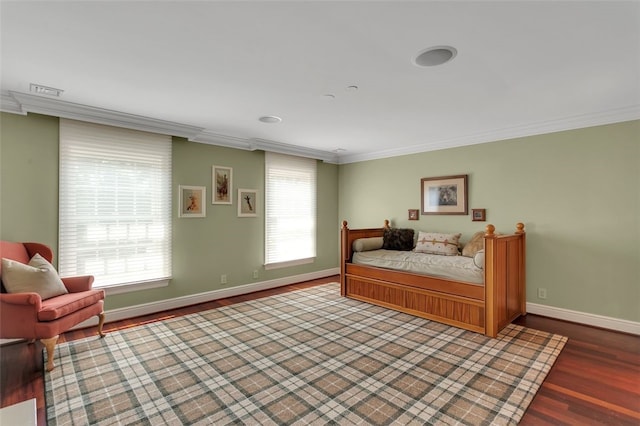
<point x="270" y="119"/>
<point x="434" y="56"/>
<point x="44" y="90"/>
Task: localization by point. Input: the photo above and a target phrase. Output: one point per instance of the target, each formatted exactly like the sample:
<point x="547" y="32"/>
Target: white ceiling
<point x="522" y="68"/>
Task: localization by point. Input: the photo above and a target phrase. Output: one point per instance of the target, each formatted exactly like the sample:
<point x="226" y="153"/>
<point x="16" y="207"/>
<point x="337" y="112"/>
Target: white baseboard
<point x="601" y="321"/>
<point x="194" y="299"/>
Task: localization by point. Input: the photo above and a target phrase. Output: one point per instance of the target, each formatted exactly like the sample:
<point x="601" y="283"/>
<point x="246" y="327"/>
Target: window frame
<point x="143" y="226"/>
<point x="278" y="207"/>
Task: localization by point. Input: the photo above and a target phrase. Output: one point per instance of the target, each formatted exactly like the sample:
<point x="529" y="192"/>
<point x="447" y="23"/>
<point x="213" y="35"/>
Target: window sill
<point x="289" y="263"/>
<point x="135" y="286"/>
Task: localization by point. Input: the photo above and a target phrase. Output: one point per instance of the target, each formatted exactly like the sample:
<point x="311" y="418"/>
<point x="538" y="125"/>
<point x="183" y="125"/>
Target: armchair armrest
<point x="78" y="284"/>
<point x="22" y="299"/>
<point x="19" y="314"/>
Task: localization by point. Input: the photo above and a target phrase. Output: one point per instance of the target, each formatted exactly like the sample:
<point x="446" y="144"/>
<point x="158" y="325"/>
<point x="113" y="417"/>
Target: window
<point x="115" y="204"/>
<point x="290" y="204"/>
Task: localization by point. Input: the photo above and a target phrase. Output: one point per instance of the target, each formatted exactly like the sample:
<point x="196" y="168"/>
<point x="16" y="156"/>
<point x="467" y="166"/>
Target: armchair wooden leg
<point x="100" y="324"/>
<point x="50" y="345"/>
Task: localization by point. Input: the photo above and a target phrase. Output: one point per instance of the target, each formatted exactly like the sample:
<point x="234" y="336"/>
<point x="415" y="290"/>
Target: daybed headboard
<point x="348" y="236"/>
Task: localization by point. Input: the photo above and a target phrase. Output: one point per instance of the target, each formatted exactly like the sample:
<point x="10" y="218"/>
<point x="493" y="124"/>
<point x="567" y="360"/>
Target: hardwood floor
<point x="595" y="380"/>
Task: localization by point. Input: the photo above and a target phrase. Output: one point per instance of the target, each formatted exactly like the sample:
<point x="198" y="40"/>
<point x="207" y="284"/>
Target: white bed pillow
<point x="437" y="243"/>
<point x="478" y="259"/>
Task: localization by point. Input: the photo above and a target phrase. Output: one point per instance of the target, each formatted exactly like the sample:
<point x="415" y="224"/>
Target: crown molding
<point x="9" y="104"/>
<point x="282" y="148"/>
<point x="211" y="138"/>
<point x="254" y="144"/>
<point x="58" y="108"/>
<point x="23" y="103"/>
<point x="612" y="116"/>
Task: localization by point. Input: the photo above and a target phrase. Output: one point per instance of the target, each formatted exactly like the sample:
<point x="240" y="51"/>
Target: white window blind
<point x="290" y="205"/>
<point x="115" y="204"/>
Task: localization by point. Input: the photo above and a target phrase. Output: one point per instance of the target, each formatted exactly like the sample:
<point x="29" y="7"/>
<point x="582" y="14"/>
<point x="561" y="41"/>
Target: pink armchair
<point x="27" y="316"/>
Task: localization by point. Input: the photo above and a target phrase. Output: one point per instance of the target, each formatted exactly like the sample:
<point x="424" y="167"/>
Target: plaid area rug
<point x="304" y="357"/>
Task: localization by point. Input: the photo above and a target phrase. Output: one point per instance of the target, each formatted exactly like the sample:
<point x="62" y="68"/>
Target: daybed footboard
<point x="484" y="309"/>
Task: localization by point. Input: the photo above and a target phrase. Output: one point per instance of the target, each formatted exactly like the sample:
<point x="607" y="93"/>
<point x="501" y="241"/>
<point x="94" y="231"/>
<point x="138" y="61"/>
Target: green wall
<point x="578" y="193"/>
<point x="29" y="178"/>
<point x="203" y="248"/>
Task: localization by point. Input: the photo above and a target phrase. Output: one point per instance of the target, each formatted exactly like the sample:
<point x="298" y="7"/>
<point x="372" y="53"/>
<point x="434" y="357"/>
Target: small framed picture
<point x="413" y="214"/>
<point x="193" y="201"/>
<point x="247" y="203"/>
<point x="478" y="215"/>
<point x="221" y="185"/>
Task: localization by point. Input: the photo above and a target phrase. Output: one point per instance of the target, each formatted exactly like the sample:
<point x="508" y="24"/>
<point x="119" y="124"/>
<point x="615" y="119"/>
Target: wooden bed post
<point x="344" y="253"/>
<point x="523" y="272"/>
<point x="504" y="279"/>
<point x="490" y="322"/>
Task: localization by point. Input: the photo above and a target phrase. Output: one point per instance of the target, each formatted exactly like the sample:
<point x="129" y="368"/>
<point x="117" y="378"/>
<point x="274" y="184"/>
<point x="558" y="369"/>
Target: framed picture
<point x="247" y="203"/>
<point x="193" y="201"/>
<point x="478" y="215"/>
<point x="221" y="185"/>
<point x="444" y="195"/>
<point x="413" y="214"/>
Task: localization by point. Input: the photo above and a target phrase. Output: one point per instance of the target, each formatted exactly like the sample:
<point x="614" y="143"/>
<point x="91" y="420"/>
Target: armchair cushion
<point x="39" y="276"/>
<point x="60" y="306"/>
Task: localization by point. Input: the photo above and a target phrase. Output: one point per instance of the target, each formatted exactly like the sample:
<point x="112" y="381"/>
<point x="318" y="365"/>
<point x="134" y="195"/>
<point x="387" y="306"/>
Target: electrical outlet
<point x="255" y="273"/>
<point x="542" y="293"/>
<point x="223" y="279"/>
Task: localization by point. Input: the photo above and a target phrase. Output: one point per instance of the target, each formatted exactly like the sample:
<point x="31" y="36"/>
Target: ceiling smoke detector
<point x="44" y="90"/>
<point x="434" y="56"/>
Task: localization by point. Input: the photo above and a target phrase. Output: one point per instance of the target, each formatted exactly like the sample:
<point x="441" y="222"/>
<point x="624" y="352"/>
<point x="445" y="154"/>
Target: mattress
<point x="457" y="268"/>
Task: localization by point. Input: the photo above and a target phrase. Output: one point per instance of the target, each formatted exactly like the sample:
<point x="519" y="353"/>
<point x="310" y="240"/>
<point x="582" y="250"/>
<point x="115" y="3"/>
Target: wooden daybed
<point x="484" y="308"/>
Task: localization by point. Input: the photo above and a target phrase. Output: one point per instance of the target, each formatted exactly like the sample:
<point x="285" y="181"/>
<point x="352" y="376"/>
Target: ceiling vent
<point x="44" y="90"/>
